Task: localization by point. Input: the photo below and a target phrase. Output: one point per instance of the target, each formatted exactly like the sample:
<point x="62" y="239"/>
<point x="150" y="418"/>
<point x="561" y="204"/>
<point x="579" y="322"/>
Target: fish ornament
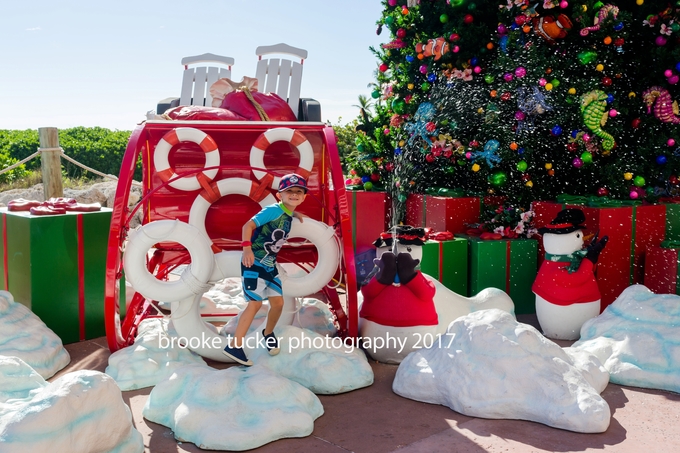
<point x="593" y="105"/>
<point x="433" y="47"/>
<point x="665" y="110"/>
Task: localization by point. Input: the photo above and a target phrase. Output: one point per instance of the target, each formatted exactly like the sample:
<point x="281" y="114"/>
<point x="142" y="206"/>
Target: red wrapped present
<point x="631" y="227"/>
<point x="369" y="212"/>
<point x="661" y="268"/>
<point x="452" y="214"/>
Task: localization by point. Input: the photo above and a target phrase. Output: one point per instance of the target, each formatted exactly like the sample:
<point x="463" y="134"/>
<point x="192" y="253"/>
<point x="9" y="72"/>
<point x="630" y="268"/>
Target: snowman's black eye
<point x="578" y="235"/>
<point x="408" y="249"/>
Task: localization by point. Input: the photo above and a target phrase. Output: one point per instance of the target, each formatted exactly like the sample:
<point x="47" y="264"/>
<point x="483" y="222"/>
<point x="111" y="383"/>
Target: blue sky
<point x="93" y="63"/>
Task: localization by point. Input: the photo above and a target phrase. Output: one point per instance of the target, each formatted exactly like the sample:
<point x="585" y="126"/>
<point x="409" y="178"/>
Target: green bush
<point x="96" y="147"/>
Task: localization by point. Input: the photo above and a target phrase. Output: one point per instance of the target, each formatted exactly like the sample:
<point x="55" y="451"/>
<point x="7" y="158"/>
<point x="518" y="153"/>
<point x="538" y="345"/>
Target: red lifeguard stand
<point x="187" y="159"/>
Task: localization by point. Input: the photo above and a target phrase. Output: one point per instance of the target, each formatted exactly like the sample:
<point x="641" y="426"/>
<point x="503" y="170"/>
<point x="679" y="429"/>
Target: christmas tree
<point x="529" y="100"/>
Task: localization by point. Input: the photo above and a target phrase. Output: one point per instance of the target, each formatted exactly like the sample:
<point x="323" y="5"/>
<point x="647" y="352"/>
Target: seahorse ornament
<point x="593" y="105"/>
<point x="665" y="110"/>
<point x="601" y="16"/>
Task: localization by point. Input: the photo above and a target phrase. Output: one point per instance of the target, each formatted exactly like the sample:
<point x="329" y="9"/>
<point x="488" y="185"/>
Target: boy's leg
<point x="245" y="321"/>
<point x="275" y="310"/>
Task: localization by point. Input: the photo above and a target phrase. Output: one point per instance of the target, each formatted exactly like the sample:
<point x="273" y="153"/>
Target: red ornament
<point x="573" y="146"/>
<point x="375" y="177"/>
<point x="618" y="42"/>
<point x="674" y="180"/>
<point x="383" y="67"/>
<point x="602" y="192"/>
<point x="401" y="33"/>
<point x="437" y="152"/>
<point x="506" y="96"/>
<point x="430" y="126"/>
<point x="468" y="19"/>
<point x="607" y="81"/>
<point x="454" y="37"/>
<point x="526" y="177"/>
<point x="474" y="144"/>
<point x="389" y="166"/>
<point x="521" y="19"/>
<point x="430" y="158"/>
<point x="635" y="123"/>
<point x="448" y="153"/>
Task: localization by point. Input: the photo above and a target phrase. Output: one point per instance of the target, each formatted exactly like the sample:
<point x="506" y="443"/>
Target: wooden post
<point x="50" y="162"/>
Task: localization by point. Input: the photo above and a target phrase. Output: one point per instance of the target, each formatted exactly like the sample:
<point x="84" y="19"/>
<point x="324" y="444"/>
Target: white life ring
<point x="186" y="134"/>
<point x="228" y="186"/>
<point x="194" y="276"/>
<point x="228" y="263"/>
<point x="295" y="138"/>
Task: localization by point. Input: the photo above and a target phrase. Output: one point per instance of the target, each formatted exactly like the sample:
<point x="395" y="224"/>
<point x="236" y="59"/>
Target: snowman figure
<point x="566" y="291"/>
<point x="401" y="309"/>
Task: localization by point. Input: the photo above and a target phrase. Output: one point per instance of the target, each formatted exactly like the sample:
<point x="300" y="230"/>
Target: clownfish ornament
<point x="551" y="29"/>
<point x="434" y="47"/>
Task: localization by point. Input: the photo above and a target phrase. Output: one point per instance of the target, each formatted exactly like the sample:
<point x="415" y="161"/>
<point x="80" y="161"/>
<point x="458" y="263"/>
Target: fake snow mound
<point x="24" y="335"/>
<point x="310" y="313"/>
<point x="637" y="338"/>
<point x="489" y="365"/>
<point x="152" y="358"/>
<point x="79" y="412"/>
<point x="236" y="408"/>
<point x="322" y="364"/>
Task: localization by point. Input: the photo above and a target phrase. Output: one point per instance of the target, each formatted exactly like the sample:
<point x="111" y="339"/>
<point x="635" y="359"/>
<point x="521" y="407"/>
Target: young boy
<point x="263" y="236"/>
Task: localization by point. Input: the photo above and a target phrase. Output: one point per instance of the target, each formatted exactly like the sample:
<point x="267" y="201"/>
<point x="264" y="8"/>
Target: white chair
<point x="206" y="69"/>
<point x="284" y="77"/>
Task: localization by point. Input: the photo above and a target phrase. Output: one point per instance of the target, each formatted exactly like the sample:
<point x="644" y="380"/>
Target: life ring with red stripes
<point x="186" y="134"/>
<point x="228" y="186"/>
<point x="279" y="134"/>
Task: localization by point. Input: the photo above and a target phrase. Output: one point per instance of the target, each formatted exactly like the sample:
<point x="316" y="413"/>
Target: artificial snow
<point x="310" y="313"/>
<point x="152" y="358"/>
<point x="237" y="408"/>
<point x="325" y="365"/>
<point x="637" y="338"/>
<point x="82" y="411"/>
<point x="488" y="365"/>
<point x="24" y="335"/>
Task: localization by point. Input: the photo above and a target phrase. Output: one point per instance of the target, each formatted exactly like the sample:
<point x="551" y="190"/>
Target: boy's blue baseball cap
<point x="292" y="180"/>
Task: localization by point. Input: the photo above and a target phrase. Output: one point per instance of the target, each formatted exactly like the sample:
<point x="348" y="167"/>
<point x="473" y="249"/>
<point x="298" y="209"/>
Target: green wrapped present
<point x="447" y="261"/>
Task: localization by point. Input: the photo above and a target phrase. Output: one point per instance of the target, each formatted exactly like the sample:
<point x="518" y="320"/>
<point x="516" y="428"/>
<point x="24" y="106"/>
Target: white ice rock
<point x="489" y="365"/>
<point x="24" y="335"/>
<point x="309" y="313"/>
<point x="325" y="365"/>
<point x="154" y="356"/>
<point x="637" y="338"/>
<point x="236" y="408"/>
<point x="79" y="412"/>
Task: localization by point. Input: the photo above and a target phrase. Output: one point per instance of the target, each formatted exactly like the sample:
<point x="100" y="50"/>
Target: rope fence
<point x="70" y="159"/>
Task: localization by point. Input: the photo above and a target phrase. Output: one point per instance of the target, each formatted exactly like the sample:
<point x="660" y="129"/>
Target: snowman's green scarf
<point x="573" y="258"/>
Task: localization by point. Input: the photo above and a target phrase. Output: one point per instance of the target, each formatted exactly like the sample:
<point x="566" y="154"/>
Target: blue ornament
<point x="661" y="160"/>
<point x="473" y="61"/>
<point x="574" y="133"/>
<point x="514" y="26"/>
<point x="503" y="44"/>
<point x="397" y="151"/>
<point x="677" y="66"/>
<point x="520" y="151"/>
<point x="431" y="77"/>
<point x="610" y="98"/>
<point x="365" y="178"/>
<point x="618" y="26"/>
<point x="556" y="130"/>
<point x="410" y="58"/>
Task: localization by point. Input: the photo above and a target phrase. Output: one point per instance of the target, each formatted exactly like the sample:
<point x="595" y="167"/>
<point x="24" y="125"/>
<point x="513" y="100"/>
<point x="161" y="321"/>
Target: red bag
<point x="276" y="108"/>
<point x="200" y="113"/>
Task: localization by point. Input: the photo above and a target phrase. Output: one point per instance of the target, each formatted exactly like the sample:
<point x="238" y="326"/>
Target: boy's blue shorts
<point x="260" y="283"/>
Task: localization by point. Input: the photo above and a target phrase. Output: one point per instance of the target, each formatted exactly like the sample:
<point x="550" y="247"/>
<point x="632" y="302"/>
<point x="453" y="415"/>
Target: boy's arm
<point x="299" y="216"/>
<point x="246" y="235"/>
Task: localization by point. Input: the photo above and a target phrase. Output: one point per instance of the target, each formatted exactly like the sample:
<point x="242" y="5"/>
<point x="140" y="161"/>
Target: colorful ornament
<point x="593" y="106"/>
<point x="577" y="162"/>
<point x="670" y="142"/>
<point x="498" y="179"/>
<point x="661" y="160"/>
<point x="587" y="157"/>
<point x="628" y="176"/>
<point x="602" y="192"/>
<point x="601" y="16"/>
<point x="665" y="109"/>
<point x="434" y="47"/>
<point x="639" y="181"/>
<point x="522" y="166"/>
<point x="587" y="56"/>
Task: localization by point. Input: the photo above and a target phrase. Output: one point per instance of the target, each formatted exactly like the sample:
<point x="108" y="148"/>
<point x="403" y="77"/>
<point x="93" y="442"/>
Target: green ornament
<point x="450" y="170"/>
<point x="598" y="5"/>
<point x="368" y="185"/>
<point x="675" y="27"/>
<point x="444" y="18"/>
<point x="587" y="56"/>
<point x="402" y="197"/>
<point x="489" y="78"/>
<point x="375" y="94"/>
<point x="570" y="101"/>
<point x="522" y="166"/>
<point x="398" y="105"/>
<point x="457" y="2"/>
<point x="389" y="20"/>
<point x="361" y="148"/>
<point x="357" y="141"/>
<point x="472" y="6"/>
<point x="498" y="179"/>
<point x="555" y="83"/>
<point x="425" y="86"/>
<point x="639" y="181"/>
<point x="586" y="157"/>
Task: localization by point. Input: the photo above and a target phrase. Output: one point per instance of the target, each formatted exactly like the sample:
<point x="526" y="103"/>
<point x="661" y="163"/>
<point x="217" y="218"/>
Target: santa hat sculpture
<point x="567" y="294"/>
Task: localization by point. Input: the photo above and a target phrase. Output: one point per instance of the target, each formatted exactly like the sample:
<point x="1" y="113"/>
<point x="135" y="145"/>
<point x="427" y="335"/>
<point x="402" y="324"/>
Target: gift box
<point x="631" y="226"/>
<point x="661" y="268"/>
<point x="369" y="212"/>
<point x="55" y="265"/>
<point x="507" y="264"/>
<point x="673" y="220"/>
<point x="452" y="214"/>
<point x="447" y="261"/>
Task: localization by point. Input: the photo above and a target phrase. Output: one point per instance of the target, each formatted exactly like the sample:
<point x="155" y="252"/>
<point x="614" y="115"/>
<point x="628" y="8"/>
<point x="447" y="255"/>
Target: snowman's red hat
<point x="566" y="221"/>
<point x="405" y="234"/>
